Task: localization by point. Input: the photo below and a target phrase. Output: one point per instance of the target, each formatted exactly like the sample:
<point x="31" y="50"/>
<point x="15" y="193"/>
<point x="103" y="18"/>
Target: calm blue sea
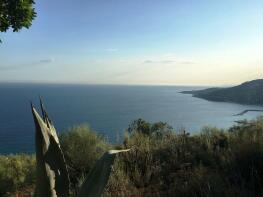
<point x="108" y="109"/>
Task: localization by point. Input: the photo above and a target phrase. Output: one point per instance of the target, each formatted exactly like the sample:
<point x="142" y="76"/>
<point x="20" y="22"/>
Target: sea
<point x="108" y="109"/>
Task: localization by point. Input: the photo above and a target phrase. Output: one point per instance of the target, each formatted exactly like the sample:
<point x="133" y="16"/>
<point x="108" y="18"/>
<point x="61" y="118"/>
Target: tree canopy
<point x="158" y="129"/>
<point x="16" y="14"/>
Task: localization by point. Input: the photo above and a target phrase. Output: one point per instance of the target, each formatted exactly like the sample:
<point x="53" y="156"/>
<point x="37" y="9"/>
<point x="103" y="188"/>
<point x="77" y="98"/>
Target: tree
<point x="158" y="129"/>
<point x="16" y="14"/>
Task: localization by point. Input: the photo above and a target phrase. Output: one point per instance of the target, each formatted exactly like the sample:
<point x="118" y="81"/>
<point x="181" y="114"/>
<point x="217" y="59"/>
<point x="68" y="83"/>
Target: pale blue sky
<point x="186" y="42"/>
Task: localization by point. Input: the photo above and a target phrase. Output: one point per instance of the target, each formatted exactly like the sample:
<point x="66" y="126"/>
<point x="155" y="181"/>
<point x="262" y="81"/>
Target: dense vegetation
<point x="16" y="14"/>
<point x="162" y="162"/>
<point x="16" y="172"/>
<point x="247" y="93"/>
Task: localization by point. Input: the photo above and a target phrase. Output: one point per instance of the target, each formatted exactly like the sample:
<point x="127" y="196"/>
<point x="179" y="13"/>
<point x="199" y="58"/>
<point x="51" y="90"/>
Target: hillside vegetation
<point x="247" y="93"/>
<point x="162" y="162"/>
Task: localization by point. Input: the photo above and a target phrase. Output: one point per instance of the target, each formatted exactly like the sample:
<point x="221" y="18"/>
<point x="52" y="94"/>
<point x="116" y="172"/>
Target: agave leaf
<point x="52" y="175"/>
<point x="49" y="123"/>
<point x="97" y="179"/>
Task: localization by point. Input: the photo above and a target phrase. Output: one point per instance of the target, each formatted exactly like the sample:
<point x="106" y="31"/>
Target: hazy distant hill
<point x="247" y="93"/>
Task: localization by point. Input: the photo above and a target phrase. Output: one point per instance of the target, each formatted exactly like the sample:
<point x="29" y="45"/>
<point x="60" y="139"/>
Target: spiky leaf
<point x="97" y="179"/>
<point x="52" y="176"/>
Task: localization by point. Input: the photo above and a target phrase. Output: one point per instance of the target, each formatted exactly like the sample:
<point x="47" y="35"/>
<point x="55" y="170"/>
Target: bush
<point x="158" y="129"/>
<point x="212" y="163"/>
<point x="16" y="171"/>
<point x="161" y="162"/>
<point x="81" y="147"/>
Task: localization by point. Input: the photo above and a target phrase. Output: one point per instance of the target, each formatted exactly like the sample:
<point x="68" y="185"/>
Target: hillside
<point x="250" y="93"/>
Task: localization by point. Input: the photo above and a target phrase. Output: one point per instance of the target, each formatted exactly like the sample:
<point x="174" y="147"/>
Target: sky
<point x="151" y="42"/>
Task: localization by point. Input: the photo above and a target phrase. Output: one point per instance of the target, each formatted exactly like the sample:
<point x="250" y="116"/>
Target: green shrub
<point x="212" y="163"/>
<point x="16" y="171"/>
<point x="82" y="147"/>
<point x="161" y="162"/>
<point x="158" y="129"/>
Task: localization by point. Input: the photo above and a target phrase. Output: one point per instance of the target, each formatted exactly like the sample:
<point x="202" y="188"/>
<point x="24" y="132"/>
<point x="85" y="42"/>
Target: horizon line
<point x="111" y="84"/>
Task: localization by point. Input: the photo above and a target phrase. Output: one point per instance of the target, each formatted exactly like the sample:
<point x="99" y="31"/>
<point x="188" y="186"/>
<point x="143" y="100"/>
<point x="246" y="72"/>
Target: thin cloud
<point x="167" y="62"/>
<point x="46" y="61"/>
<point x="29" y="65"/>
<point x="162" y="61"/>
<point x="148" y="62"/>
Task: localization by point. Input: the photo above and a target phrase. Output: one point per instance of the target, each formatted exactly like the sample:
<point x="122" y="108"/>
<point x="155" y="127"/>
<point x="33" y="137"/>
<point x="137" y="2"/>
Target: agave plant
<point x="52" y="174"/>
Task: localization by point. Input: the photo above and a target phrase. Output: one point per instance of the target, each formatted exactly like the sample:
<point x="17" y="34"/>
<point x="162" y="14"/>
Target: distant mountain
<point x="250" y="93"/>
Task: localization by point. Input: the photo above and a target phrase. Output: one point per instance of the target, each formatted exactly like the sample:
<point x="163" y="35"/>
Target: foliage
<point x="213" y="162"/>
<point x="16" y="172"/>
<point x="16" y="14"/>
<point x="82" y="147"/>
<point x="158" y="129"/>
